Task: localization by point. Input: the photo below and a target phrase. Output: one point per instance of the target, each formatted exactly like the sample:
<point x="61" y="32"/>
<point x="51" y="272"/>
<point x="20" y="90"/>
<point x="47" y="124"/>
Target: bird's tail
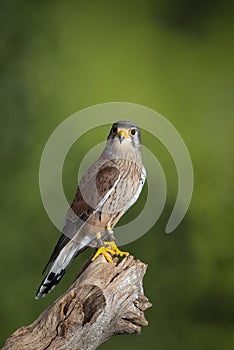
<point x="58" y="268"/>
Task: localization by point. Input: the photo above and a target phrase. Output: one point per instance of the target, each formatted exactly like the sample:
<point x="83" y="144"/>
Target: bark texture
<point x="105" y="300"/>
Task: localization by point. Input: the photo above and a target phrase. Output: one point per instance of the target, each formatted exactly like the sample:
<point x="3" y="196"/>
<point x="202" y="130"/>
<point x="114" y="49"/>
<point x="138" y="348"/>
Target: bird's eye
<point x="133" y="132"/>
<point x="114" y="129"/>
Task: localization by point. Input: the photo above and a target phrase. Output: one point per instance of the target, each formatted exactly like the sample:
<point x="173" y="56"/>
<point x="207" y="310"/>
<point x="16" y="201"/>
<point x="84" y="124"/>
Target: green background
<point x="57" y="57"/>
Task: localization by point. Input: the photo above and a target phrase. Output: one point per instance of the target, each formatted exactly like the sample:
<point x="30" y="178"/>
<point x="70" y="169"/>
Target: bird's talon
<point x="110" y="248"/>
<point x="115" y="249"/>
<point x="124" y="253"/>
<point x="104" y="251"/>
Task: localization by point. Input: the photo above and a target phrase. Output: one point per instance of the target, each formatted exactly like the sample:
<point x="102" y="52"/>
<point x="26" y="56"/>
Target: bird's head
<point x="125" y="133"/>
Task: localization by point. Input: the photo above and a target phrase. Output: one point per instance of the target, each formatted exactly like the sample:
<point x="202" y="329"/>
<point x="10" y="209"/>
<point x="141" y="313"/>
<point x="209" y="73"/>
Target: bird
<point x="105" y="192"/>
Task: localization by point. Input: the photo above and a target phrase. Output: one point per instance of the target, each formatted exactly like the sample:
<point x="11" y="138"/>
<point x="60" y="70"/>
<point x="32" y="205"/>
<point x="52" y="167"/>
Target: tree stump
<point x="105" y="300"/>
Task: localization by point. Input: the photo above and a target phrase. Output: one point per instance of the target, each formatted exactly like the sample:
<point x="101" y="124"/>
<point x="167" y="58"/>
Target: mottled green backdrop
<point x="57" y="57"/>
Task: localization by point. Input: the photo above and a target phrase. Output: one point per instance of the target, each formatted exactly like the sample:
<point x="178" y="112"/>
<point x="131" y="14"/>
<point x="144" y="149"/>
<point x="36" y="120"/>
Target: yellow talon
<point x="104" y="251"/>
<point x="115" y="249"/>
<point x="111" y="248"/>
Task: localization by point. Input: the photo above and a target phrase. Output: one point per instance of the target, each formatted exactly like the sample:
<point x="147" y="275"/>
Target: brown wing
<point x="91" y="193"/>
<point x="106" y="179"/>
<point x="94" y="186"/>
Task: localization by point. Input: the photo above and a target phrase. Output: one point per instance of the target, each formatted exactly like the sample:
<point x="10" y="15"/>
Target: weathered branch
<point x="105" y="300"/>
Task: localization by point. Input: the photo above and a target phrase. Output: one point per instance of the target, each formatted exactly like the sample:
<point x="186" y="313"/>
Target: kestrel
<point x="106" y="191"/>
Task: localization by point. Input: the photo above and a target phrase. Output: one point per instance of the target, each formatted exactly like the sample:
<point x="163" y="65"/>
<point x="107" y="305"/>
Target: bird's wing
<point x="92" y="193"/>
<point x="96" y="186"/>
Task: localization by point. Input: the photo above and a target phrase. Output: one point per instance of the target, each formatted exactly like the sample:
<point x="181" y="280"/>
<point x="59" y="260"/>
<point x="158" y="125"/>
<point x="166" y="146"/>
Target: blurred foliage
<point x="58" y="57"/>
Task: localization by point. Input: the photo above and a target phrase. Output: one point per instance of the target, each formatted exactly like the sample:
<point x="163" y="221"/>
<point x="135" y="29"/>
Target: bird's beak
<point x="122" y="135"/>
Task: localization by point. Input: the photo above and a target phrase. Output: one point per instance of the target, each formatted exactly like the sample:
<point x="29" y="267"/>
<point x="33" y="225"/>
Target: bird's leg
<point x="108" y="247"/>
<point x="99" y="240"/>
<point x="103" y="250"/>
<point x="110" y="234"/>
<point x="112" y="243"/>
<point x="115" y="250"/>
